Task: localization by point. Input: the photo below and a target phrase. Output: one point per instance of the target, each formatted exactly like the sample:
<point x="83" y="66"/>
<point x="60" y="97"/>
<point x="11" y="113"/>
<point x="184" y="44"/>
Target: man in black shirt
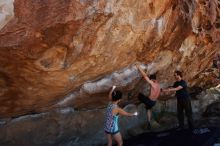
<point x="183" y="100"/>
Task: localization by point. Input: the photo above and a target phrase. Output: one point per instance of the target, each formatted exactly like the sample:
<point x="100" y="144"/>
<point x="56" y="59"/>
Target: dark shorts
<point x="148" y="103"/>
<point x="112" y="133"/>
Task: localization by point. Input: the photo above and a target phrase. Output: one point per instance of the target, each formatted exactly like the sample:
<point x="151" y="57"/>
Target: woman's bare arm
<point x="124" y="113"/>
<point x="110" y="93"/>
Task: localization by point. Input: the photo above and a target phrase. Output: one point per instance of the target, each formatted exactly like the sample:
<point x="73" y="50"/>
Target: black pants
<point x="184" y="105"/>
<point x="148" y="102"/>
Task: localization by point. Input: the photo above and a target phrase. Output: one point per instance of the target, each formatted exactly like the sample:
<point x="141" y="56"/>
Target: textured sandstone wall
<point x="6" y="12"/>
<point x="65" y="127"/>
<point x="52" y="52"/>
<point x="70" y="127"/>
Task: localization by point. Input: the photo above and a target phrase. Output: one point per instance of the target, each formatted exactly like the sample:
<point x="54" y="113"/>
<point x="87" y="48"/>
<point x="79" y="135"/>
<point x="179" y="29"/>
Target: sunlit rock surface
<point x="6" y="12"/>
<point x="68" y="53"/>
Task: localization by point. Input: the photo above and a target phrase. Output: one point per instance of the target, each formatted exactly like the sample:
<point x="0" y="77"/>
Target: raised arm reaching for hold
<point x="144" y="74"/>
<point x="110" y="93"/>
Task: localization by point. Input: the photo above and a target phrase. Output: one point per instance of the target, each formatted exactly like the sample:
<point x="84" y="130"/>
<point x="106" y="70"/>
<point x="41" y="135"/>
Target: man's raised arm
<point x="144" y="74"/>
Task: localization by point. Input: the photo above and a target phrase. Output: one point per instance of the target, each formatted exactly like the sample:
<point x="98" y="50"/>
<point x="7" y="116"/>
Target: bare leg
<point x="149" y="115"/>
<point x="109" y="139"/>
<point x="118" y="138"/>
<point x="148" y="119"/>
